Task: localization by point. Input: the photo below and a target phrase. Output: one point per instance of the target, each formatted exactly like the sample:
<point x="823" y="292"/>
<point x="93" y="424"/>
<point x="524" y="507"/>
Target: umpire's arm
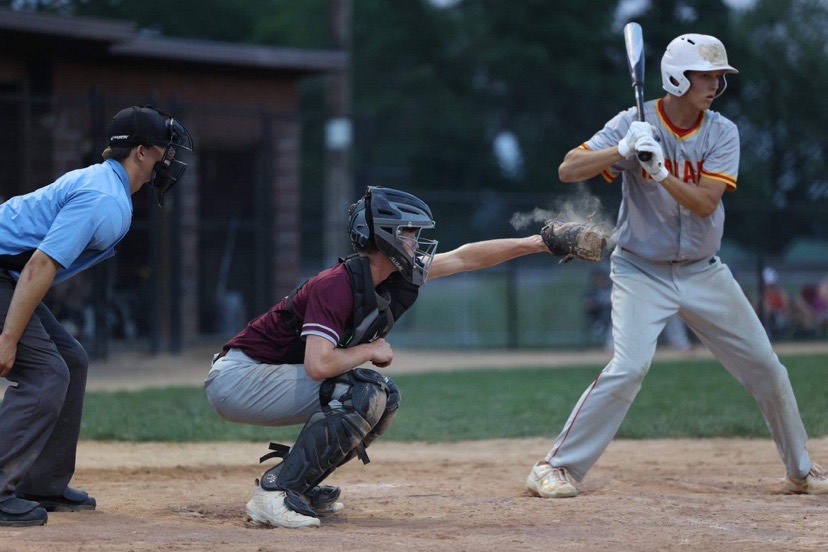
<point x="35" y="280"/>
<point x="474" y="256"/>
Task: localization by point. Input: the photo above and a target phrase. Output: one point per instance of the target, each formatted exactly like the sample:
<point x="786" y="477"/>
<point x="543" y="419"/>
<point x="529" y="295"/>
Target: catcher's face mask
<point x="420" y="252"/>
<point x="392" y="221"/>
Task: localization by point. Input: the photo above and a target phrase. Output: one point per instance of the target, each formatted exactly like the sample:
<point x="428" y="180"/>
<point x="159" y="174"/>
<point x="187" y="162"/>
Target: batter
<point x="669" y="229"/>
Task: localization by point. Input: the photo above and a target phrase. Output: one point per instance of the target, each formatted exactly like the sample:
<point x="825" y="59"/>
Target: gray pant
<point x="40" y="416"/>
<point x="704" y="293"/>
<point x="243" y="390"/>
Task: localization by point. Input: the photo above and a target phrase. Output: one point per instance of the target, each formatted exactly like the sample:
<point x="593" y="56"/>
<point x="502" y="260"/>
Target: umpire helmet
<point x="693" y="52"/>
<point x="391" y="221"/>
<point x="150" y="126"/>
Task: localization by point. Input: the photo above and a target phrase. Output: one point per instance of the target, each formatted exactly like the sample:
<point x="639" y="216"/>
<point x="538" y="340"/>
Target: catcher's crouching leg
<point x="354" y="411"/>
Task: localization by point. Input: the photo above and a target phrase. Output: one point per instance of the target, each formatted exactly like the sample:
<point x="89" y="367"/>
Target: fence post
<point x="512" y="316"/>
<point x="102" y="273"/>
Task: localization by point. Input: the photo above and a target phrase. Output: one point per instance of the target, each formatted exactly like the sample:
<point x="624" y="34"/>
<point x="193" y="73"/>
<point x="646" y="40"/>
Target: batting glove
<point x="637" y="131"/>
<point x="655" y="166"/>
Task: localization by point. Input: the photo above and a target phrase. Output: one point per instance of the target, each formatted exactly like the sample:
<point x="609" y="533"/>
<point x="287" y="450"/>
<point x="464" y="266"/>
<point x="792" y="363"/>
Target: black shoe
<point x="324" y="499"/>
<point x="323" y="496"/>
<point x="72" y="500"/>
<point x="16" y="512"/>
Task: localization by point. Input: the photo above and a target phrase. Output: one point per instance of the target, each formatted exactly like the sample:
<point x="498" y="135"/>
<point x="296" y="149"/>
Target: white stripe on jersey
<point x="321" y="334"/>
<point x="318" y="329"/>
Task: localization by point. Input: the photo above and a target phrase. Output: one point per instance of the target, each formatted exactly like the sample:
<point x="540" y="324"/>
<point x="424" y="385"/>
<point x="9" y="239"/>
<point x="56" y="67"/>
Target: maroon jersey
<point x="326" y="305"/>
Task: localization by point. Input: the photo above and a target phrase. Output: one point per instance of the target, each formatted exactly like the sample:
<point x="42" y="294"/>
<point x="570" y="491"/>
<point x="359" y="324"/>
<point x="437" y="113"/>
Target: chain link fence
<point x="139" y="299"/>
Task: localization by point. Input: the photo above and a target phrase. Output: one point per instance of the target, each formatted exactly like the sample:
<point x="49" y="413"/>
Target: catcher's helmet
<point x="693" y="52"/>
<point x="380" y="218"/>
<point x="148" y="126"/>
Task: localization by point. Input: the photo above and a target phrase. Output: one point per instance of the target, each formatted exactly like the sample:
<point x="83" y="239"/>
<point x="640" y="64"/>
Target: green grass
<point x="681" y="399"/>
<point x="473" y="309"/>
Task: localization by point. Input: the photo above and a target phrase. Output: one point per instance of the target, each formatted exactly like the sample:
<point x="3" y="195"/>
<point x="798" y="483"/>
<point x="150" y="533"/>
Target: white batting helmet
<point x="693" y="52"/>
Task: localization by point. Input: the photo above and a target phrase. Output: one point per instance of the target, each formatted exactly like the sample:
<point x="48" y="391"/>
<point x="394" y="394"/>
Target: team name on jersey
<point x="683" y="171"/>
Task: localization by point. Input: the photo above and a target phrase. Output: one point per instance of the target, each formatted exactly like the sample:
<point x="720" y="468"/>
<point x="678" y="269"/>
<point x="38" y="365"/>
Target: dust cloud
<point x="581" y="207"/>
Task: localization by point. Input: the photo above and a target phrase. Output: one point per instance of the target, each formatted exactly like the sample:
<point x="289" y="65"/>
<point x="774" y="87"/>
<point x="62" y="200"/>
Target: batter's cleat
<point x="324" y="500"/>
<point x="72" y="500"/>
<point x="16" y="512"/>
<point x="815" y="483"/>
<point x="268" y="509"/>
<point x="547" y="481"/>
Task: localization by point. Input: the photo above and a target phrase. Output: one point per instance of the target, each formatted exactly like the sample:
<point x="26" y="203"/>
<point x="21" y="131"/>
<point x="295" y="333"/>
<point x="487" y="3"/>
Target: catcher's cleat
<point x="72" y="500"/>
<point x="815" y="482"/>
<point x="547" y="481"/>
<point x="324" y="500"/>
<point x="268" y="509"/>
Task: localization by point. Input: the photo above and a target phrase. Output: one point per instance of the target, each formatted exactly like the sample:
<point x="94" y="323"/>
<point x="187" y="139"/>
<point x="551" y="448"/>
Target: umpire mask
<point x="147" y="125"/>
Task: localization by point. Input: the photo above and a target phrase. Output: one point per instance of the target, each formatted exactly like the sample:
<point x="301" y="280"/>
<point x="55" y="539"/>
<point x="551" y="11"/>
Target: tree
<point x="784" y="66"/>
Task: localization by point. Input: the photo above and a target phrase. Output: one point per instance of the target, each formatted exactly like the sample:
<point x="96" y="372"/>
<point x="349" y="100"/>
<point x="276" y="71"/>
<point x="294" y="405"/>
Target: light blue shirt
<point x="77" y="220"/>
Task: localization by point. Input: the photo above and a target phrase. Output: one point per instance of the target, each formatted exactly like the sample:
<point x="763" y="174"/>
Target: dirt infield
<point x="717" y="494"/>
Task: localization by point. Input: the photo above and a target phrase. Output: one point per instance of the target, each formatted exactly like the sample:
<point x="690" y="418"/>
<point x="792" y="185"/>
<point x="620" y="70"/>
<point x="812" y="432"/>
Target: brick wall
<point x="286" y="201"/>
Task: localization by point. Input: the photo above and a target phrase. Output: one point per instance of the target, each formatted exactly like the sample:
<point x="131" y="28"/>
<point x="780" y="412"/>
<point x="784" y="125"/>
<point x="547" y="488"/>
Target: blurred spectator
<point x="776" y="304"/>
<point x="597" y="306"/>
<point x="810" y="312"/>
<point x="822" y="289"/>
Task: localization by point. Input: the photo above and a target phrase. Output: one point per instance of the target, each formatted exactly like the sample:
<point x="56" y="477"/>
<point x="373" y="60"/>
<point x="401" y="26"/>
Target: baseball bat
<point x="634" y="41"/>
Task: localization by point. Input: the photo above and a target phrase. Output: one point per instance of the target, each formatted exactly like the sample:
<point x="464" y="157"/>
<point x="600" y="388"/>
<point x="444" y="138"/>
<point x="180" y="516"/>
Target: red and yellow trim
<point x="729" y="180"/>
<point x="607" y="174"/>
<point x="678" y="132"/>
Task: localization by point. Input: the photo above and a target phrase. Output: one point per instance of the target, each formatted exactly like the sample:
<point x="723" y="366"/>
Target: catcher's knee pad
<point x="391" y="407"/>
<point x="352" y="405"/>
<point x="363" y="390"/>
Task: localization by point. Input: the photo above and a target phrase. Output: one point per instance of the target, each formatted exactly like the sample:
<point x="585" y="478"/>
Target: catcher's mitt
<point x="574" y="239"/>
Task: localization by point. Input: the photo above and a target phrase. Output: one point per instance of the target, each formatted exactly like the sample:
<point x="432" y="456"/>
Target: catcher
<point x="298" y="362"/>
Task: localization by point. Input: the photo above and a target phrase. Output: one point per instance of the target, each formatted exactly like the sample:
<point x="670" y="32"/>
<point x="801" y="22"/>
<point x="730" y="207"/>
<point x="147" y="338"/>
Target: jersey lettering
<point x="689" y="175"/>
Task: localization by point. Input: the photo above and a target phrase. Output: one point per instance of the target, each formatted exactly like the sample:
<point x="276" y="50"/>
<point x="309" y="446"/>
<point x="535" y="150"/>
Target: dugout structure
<point x="234" y="218"/>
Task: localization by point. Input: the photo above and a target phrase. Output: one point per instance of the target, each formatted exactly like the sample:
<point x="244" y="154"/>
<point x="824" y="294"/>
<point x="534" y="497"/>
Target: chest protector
<point x="375" y="309"/>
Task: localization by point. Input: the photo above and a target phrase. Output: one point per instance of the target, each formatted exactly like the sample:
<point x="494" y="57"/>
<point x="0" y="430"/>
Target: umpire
<point x="48" y="236"/>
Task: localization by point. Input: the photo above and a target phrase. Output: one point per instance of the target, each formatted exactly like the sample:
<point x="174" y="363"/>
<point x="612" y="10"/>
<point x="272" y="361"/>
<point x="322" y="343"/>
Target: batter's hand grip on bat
<point x="644" y="156"/>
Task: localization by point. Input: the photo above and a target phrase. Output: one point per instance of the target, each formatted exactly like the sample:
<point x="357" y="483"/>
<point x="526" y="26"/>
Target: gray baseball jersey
<point x="651" y="223"/>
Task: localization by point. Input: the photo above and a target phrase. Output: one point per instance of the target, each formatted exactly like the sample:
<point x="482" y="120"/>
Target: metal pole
<point x="263" y="217"/>
<point x="512" y="318"/>
<point x="176" y="325"/>
<point x="338" y="140"/>
<point x="101" y="275"/>
<point x="155" y="256"/>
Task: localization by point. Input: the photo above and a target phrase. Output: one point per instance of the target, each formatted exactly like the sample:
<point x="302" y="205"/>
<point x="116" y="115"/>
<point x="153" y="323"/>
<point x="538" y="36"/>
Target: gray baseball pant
<point x="243" y="390"/>
<point x="707" y="297"/>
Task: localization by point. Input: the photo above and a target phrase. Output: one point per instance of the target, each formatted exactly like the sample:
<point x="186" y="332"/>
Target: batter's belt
<point x="711" y="260"/>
